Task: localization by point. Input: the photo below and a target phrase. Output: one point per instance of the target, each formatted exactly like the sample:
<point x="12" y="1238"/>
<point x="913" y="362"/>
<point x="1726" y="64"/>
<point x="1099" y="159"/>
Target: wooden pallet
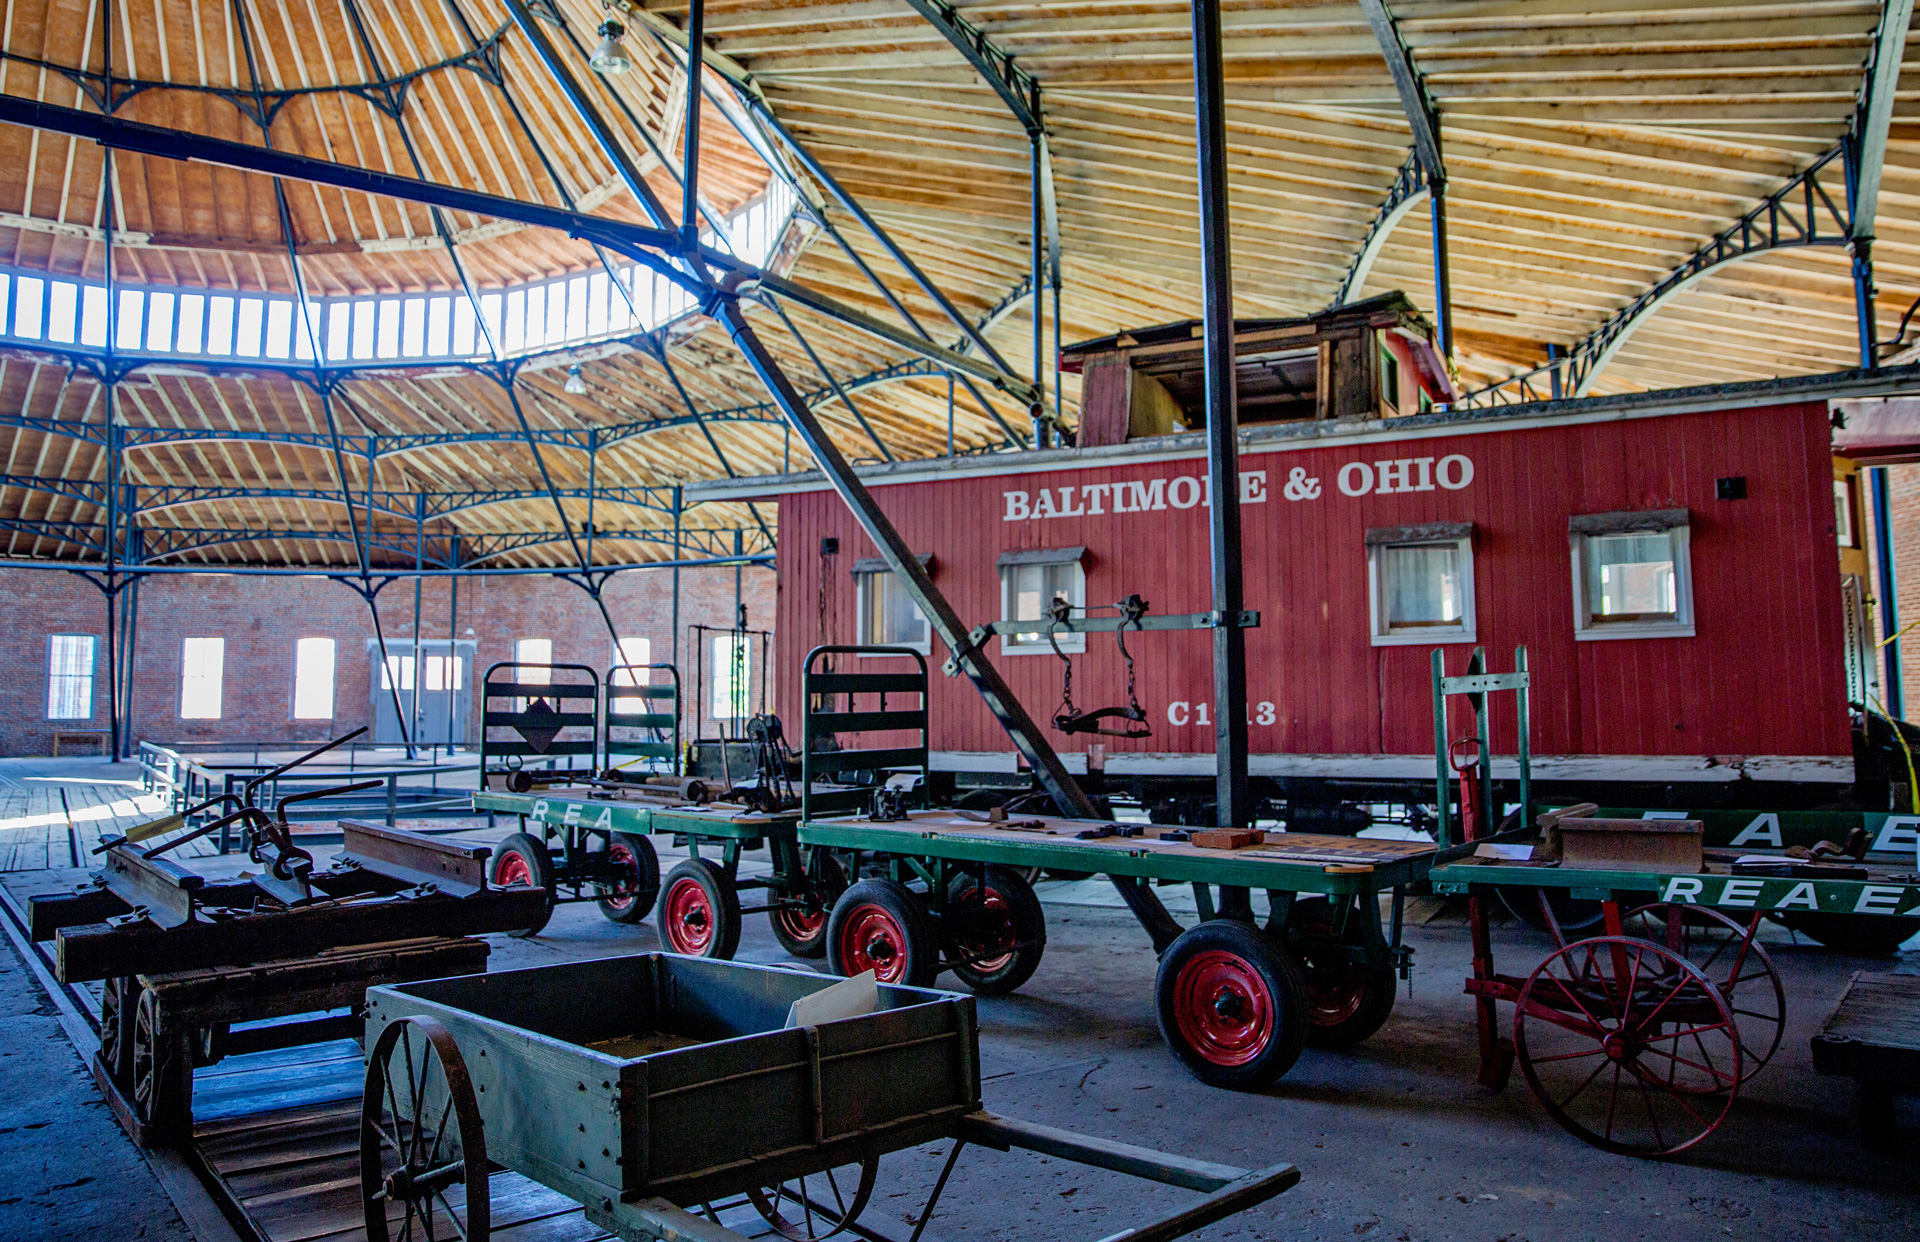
<point x="1873" y="1037"/>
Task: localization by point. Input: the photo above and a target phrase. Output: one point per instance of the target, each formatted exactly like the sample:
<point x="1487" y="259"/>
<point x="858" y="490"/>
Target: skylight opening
<point x="559" y="312"/>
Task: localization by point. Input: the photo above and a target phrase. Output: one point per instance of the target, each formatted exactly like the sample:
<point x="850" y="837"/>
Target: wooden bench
<point x="97" y="736"/>
<point x="1873" y="1037"/>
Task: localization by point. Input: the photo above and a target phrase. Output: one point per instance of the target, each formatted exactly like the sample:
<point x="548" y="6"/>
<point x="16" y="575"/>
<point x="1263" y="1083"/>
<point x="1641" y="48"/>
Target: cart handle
<point x="1228" y="1189"/>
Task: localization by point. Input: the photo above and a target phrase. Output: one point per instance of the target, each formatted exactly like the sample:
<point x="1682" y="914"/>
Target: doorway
<point x="435" y="686"/>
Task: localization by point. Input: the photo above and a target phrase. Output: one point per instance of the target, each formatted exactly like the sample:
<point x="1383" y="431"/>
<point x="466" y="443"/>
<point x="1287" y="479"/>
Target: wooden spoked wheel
<point x="1733" y="961"/>
<point x="118" y="997"/>
<point x="423" y="1153"/>
<point x="161" y="1076"/>
<point x="1627" y="1046"/>
<point x="817" y="1205"/>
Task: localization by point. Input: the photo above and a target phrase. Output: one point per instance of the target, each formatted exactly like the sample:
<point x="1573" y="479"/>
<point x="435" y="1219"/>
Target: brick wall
<point x="262" y="618"/>
<point x="1903" y="496"/>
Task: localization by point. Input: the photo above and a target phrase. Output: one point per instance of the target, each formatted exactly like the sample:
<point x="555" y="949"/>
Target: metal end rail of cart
<point x="950" y="890"/>
<point x="667" y="1096"/>
<point x="587" y="806"/>
<point x="1636" y="1039"/>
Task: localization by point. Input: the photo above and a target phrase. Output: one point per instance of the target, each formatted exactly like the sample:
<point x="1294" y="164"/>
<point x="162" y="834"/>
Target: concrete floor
<point x="1394" y="1139"/>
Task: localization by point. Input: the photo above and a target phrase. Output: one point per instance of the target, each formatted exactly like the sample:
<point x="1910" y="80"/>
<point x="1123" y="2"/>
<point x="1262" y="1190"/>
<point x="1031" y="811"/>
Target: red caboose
<point x="1669" y="561"/>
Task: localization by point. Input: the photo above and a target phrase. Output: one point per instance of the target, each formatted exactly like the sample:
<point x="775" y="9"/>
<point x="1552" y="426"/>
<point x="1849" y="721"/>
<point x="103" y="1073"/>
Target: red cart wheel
<point x="1737" y="964"/>
<point x="699" y="911"/>
<point x="1231" y="1004"/>
<point x="1627" y="1046"/>
<point x="629" y="898"/>
<point x="1346" y="1000"/>
<point x="521" y="861"/>
<point x="800" y="922"/>
<point x="879" y="925"/>
<point x="997" y="933"/>
<point x="423" y="1150"/>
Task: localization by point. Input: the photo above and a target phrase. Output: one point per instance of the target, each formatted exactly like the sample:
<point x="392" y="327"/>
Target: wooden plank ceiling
<point x="1591" y="146"/>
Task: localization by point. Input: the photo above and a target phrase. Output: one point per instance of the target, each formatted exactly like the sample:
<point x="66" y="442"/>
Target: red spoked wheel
<point x="629" y="898"/>
<point x="699" y="910"/>
<point x="800" y="921"/>
<point x="1627" y="1046"/>
<point x="1231" y="1004"/>
<point x="521" y="861"/>
<point x="879" y="925"/>
<point x="996" y="931"/>
<point x="1733" y="961"/>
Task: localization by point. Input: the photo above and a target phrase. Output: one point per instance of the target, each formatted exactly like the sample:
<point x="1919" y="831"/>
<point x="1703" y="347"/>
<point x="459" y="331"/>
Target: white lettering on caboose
<point x="1357" y="478"/>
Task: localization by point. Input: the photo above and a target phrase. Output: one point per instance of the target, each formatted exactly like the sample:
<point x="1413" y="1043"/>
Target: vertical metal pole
<point x="1442" y="281"/>
<point x="419" y="659"/>
<point x="1038" y="280"/>
<point x="676" y="576"/>
<point x="690" y="168"/>
<point x="455" y="674"/>
<point x="1862" y="250"/>
<point x="1553" y="376"/>
<point x="113" y="657"/>
<point x="1443" y="826"/>
<point x="1058" y="414"/>
<point x="1223" y="450"/>
<point x="1890" y="693"/>
<point x="949" y="415"/>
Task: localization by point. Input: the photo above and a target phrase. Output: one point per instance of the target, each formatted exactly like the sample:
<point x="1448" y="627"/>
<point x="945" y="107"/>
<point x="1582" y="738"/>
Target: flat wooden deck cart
<point x="700" y="907"/>
<point x="665" y="1092"/>
<point x="1236" y="1001"/>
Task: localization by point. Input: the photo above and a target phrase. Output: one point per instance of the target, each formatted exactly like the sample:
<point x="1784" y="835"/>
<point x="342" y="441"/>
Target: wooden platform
<point x="1874" y="1033"/>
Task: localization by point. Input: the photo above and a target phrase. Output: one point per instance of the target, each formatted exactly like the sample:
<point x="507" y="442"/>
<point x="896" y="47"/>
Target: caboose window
<point x="1030" y="581"/>
<point x="1631" y="574"/>
<point x="1420" y="583"/>
<point x="888" y="615"/>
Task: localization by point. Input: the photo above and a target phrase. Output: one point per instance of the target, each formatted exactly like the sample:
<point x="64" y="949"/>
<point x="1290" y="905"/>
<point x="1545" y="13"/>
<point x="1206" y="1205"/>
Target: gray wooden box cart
<point x="654" y="1088"/>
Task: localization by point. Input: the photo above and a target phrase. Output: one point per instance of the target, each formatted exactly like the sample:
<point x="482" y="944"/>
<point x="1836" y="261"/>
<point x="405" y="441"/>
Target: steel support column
<point x="1442" y="280"/>
<point x="1223" y="449"/>
<point x="1890" y="689"/>
<point x="1038" y="412"/>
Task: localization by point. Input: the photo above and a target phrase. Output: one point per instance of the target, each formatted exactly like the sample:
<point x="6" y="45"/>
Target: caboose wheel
<point x="817" y="1205"/>
<point x="1627" y="1046"/>
<point x="423" y="1152"/>
<point x="801" y="928"/>
<point x="1733" y="962"/>
<point x="879" y="925"/>
<point x="1232" y="1005"/>
<point x="1346" y="1000"/>
<point x="521" y="861"/>
<point x="995" y="933"/>
<point x="699" y="911"/>
<point x="629" y="898"/>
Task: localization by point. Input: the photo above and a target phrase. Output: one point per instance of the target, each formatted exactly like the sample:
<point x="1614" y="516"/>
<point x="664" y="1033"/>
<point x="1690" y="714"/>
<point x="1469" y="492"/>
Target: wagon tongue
<point x="539" y="725"/>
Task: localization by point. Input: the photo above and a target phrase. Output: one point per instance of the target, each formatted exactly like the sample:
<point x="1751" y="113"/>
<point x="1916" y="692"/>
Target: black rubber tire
<point x="699" y="911"/>
<point x="646" y="888"/>
<point x="1861" y="935"/>
<point x="1223" y="960"/>
<point x="881" y="925"/>
<point x="1346" y="1002"/>
<point x="1573" y="916"/>
<point x="526" y="861"/>
<point x="828" y="879"/>
<point x="1013" y="916"/>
